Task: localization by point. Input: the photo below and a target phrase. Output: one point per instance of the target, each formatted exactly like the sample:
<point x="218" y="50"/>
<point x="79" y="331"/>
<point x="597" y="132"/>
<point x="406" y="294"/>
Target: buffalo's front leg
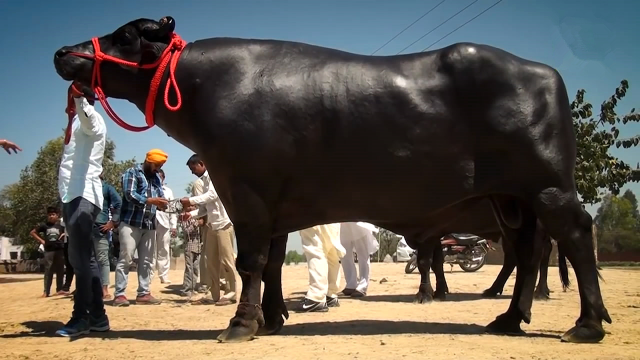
<point x="424" y="258"/>
<point x="253" y="252"/>
<point x="273" y="305"/>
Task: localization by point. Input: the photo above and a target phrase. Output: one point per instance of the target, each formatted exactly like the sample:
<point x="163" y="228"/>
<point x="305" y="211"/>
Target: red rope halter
<point x="169" y="57"/>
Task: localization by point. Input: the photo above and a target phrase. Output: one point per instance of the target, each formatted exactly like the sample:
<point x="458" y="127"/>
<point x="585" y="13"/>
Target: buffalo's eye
<point x="123" y="38"/>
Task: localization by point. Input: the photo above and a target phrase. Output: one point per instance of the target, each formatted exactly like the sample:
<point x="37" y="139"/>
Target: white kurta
<point x="358" y="237"/>
<point x="162" y="246"/>
<point x="322" y="248"/>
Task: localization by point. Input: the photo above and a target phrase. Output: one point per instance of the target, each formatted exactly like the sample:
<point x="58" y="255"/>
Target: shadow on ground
<point x="352" y="327"/>
<point x="408" y="298"/>
<point x="9" y="280"/>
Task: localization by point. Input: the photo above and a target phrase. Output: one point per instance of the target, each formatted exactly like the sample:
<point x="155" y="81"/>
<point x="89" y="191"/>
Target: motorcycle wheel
<point x="411" y="265"/>
<point x="472" y="267"/>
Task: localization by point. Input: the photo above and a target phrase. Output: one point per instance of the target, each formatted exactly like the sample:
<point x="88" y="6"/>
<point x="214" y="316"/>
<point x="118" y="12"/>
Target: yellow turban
<point x="156" y="156"/>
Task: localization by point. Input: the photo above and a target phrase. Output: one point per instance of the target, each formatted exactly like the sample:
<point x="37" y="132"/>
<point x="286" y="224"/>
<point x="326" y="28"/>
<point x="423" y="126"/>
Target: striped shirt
<point x="137" y="188"/>
<point x="191" y="232"/>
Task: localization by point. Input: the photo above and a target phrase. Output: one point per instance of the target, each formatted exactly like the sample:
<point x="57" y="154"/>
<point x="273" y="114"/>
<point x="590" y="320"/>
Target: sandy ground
<point x="385" y="324"/>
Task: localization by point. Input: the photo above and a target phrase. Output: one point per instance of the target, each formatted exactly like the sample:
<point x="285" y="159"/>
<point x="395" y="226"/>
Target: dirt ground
<point x="385" y="324"/>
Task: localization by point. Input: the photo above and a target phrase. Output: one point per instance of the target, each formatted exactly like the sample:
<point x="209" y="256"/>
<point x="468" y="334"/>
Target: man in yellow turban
<point x="156" y="157"/>
<point x="142" y="197"/>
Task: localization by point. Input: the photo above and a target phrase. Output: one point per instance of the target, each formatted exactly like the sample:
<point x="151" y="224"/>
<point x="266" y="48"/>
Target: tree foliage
<point x="618" y="223"/>
<point x="388" y="243"/>
<point x="293" y="257"/>
<point x="24" y="203"/>
<point x="189" y="188"/>
<point x="596" y="168"/>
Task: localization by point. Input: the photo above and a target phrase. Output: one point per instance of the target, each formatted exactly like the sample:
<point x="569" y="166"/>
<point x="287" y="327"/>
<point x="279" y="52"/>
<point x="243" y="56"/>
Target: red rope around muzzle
<point x="169" y="57"/>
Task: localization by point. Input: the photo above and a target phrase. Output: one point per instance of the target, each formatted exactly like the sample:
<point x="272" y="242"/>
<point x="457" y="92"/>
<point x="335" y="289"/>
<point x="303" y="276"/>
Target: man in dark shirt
<point x="101" y="230"/>
<point x="50" y="235"/>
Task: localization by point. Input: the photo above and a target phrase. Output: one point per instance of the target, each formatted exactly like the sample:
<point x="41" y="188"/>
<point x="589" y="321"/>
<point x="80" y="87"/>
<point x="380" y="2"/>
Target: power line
<point x="459" y="27"/>
<point x="398" y="34"/>
<point x="442" y="23"/>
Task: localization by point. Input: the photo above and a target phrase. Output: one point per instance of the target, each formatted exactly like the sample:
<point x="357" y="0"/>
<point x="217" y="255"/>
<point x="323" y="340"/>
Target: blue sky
<point x="593" y="45"/>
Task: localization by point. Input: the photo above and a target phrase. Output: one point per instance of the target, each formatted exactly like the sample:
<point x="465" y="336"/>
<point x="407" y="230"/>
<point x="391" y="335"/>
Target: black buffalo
<point x="297" y="135"/>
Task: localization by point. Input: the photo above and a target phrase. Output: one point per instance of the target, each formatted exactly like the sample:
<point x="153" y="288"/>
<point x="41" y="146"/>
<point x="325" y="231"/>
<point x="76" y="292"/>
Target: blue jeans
<point x="101" y="244"/>
<point x="79" y="217"/>
<point x="132" y="239"/>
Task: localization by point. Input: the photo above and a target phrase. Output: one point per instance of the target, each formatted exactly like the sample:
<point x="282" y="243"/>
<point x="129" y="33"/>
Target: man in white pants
<point x="358" y="236"/>
<point x="321" y="247"/>
<point x="166" y="225"/>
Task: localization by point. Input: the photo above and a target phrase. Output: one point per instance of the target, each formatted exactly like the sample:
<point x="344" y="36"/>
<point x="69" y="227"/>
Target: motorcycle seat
<point x="466" y="239"/>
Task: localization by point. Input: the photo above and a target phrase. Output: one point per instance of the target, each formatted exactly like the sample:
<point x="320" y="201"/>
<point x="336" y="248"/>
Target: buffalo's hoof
<point x="239" y="331"/>
<point x="584" y="335"/>
<point x="541" y="295"/>
<point x="491" y="293"/>
<point x="505" y="324"/>
<point x="271" y="327"/>
<point x="423" y="298"/>
<point x="440" y="296"/>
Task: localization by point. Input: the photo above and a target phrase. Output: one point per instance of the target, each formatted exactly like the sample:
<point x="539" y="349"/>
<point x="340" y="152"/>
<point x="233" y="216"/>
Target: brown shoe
<point x="147" y="300"/>
<point x="224" y="302"/>
<point x="121" y="301"/>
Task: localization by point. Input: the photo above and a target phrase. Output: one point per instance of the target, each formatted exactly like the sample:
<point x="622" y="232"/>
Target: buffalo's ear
<point x="161" y="32"/>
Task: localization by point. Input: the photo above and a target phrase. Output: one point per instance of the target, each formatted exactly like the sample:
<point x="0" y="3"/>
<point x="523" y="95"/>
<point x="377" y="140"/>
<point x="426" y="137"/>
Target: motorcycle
<point x="466" y="250"/>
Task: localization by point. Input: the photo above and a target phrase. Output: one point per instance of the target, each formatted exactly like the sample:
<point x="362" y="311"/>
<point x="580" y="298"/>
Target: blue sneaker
<point x="74" y="328"/>
<point x="99" y="324"/>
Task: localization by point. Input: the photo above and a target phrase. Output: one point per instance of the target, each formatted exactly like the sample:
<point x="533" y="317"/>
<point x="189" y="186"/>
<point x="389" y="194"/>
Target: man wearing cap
<point x="142" y="196"/>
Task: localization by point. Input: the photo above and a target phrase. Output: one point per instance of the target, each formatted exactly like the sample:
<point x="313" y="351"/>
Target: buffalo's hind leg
<point x="569" y="224"/>
<point x="273" y="304"/>
<point x="509" y="264"/>
<point x="528" y="251"/>
<point x="424" y="258"/>
<point x="437" y="265"/>
<point x="542" y="290"/>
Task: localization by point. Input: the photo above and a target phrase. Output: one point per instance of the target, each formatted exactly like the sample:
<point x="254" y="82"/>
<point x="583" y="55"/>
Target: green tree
<point x="388" y="243"/>
<point x="596" y="168"/>
<point x="617" y="224"/>
<point x="23" y="204"/>
<point x="293" y="256"/>
<point x="629" y="195"/>
<point x="189" y="188"/>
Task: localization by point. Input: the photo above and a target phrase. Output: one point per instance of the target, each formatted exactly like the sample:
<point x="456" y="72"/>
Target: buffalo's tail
<point x="564" y="270"/>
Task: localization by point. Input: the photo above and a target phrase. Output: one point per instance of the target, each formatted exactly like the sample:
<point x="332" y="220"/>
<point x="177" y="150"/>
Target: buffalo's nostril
<point x="62" y="52"/>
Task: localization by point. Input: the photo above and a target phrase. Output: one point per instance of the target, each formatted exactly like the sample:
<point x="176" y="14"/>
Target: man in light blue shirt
<point x="80" y="189"/>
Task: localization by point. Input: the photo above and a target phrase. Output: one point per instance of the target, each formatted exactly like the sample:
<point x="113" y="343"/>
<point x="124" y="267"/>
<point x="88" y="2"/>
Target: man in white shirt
<point x="80" y="189"/>
<point x="218" y="236"/>
<point x="359" y="237"/>
<point x="166" y="225"/>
